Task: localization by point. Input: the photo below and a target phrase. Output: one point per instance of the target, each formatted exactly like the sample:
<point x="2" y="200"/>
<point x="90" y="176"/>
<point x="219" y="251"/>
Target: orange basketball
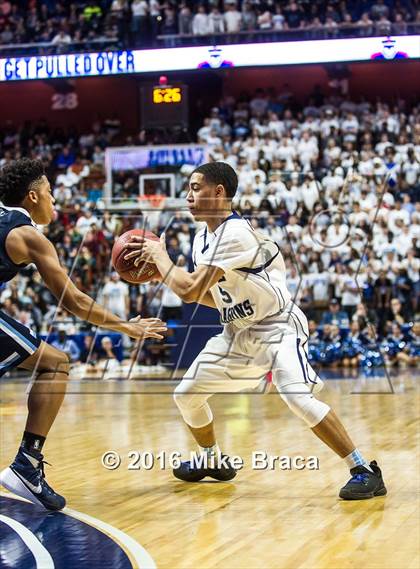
<point x="144" y="272"/>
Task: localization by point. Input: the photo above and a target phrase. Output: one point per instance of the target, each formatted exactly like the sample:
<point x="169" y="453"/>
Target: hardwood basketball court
<point x="264" y="518"/>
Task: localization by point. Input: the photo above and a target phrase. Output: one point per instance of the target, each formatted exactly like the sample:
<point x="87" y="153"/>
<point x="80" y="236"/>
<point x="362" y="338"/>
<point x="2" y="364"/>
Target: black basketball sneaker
<point x="25" y="477"/>
<point x="197" y="469"/>
<point x="364" y="484"/>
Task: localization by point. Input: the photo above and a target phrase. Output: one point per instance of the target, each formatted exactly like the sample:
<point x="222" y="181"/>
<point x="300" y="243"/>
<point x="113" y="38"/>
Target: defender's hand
<point x="141" y="328"/>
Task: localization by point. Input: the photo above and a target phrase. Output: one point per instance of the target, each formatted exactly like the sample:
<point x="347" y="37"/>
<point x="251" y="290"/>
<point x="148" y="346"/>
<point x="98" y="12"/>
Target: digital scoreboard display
<point x="164" y="106"/>
<point x="167" y="95"/>
<point x="207" y="57"/>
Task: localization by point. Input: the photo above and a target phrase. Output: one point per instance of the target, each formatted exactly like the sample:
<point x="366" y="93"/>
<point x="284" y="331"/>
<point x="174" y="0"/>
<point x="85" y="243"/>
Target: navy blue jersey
<point x="17" y="342"/>
<point x="10" y="218"/>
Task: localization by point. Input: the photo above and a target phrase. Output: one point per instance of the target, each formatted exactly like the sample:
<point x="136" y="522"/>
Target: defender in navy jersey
<point x="25" y="201"/>
<point x="242" y="274"/>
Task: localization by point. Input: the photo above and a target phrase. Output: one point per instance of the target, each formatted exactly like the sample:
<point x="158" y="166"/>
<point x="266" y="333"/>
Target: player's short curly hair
<point x="219" y="173"/>
<point x="17" y="178"/>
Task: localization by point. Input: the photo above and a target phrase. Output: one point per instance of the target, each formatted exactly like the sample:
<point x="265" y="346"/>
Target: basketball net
<point x="152" y="201"/>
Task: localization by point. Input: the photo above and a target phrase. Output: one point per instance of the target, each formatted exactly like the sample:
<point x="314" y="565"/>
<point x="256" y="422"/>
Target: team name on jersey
<point x="240" y="310"/>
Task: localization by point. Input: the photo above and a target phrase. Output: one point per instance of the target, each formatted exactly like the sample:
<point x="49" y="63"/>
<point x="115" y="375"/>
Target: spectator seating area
<point x="50" y="26"/>
<point x="335" y="183"/>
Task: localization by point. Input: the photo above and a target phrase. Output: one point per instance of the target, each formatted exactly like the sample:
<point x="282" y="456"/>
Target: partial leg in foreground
<point x="25" y="476"/>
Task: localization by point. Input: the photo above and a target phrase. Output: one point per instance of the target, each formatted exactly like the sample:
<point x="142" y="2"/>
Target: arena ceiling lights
<point x="209" y="57"/>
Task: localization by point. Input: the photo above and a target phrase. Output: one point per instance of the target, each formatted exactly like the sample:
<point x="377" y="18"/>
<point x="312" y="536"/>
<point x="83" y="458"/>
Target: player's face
<point x="43" y="209"/>
<point x="201" y="198"/>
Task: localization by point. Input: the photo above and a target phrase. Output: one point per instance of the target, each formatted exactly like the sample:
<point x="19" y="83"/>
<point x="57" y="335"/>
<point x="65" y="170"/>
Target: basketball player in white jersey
<point x="242" y="274"/>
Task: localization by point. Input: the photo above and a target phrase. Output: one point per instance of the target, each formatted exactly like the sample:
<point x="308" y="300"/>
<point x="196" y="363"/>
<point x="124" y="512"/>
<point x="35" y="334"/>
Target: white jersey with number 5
<point x="254" y="284"/>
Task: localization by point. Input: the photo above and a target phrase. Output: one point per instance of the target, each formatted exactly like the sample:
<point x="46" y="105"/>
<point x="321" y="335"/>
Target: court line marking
<point x="43" y="559"/>
<point x="142" y="558"/>
<point x="137" y="553"/>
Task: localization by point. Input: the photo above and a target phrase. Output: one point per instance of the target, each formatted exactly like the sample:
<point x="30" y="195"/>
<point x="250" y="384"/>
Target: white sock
<point x="356" y="458"/>
<point x="213" y="451"/>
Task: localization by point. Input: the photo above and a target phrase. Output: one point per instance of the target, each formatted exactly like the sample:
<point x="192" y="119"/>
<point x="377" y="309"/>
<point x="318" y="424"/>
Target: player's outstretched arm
<point x="26" y="245"/>
<point x="190" y="287"/>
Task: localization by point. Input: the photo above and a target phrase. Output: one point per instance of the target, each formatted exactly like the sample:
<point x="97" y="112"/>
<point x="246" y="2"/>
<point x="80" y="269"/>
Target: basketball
<point x="144" y="272"/>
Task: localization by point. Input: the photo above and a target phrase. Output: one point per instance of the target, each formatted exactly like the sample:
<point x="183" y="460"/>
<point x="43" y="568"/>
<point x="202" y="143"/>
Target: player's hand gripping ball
<point x="128" y="271"/>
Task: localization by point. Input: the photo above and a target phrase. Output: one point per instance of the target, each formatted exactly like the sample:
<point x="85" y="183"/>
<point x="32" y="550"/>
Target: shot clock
<point x="164" y="105"/>
<point x="167" y="95"/>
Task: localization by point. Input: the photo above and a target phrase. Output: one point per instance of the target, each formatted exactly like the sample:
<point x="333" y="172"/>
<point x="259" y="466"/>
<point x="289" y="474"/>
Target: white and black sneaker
<point x="25" y="477"/>
<point x="217" y="468"/>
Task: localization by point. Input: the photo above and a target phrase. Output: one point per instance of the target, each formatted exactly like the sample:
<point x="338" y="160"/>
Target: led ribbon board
<point x="209" y="57"/>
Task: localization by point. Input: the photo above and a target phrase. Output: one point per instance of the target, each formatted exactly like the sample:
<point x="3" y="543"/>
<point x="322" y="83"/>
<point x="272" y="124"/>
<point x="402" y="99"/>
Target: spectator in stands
<point x="5" y="8"/>
<point x="382" y="298"/>
<point x="293" y="14"/>
<point x="394" y="345"/>
<point x="248" y="16"/>
<point x="65" y="158"/>
<point x="331" y="28"/>
<point x="264" y="20"/>
<point x="115" y="296"/>
<point x="85" y="221"/>
<point x="107" y="356"/>
<point x="139" y="20"/>
<point x="233" y="18"/>
<point x="128" y="23"/>
<point x="352" y="346"/>
<point x="335" y="315"/>
<point x="216" y="22"/>
<point x="414" y="345"/>
<point x="399" y="27"/>
<point x="383" y="26"/>
<point x="98" y="246"/>
<point x="410" y="169"/>
<point x="278" y="20"/>
<point x="6" y="36"/>
<point x="62" y="194"/>
<point x="169" y="20"/>
<point x="363" y="316"/>
<point x="155" y="16"/>
<point x="200" y="22"/>
<point x="184" y="19"/>
<point x="379" y="9"/>
<point x="171" y="305"/>
<point x="350" y="297"/>
<point x="88" y="354"/>
<point x="61" y="39"/>
<point x="66" y="345"/>
<point x="396" y="313"/>
<point x="92" y="11"/>
<point x="403" y="288"/>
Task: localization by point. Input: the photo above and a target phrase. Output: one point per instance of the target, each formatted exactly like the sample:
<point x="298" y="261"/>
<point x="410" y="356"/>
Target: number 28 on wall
<point x="60" y="102"/>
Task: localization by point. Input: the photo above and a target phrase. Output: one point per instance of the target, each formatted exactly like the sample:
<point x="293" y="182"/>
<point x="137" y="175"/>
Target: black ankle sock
<point x="32" y="442"/>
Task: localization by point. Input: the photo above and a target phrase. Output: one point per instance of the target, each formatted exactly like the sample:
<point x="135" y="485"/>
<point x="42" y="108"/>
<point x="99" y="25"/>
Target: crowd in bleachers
<point x="124" y="23"/>
<point x="335" y="183"/>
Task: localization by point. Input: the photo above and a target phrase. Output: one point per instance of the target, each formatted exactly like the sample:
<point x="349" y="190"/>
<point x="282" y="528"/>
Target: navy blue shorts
<point x="17" y="343"/>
